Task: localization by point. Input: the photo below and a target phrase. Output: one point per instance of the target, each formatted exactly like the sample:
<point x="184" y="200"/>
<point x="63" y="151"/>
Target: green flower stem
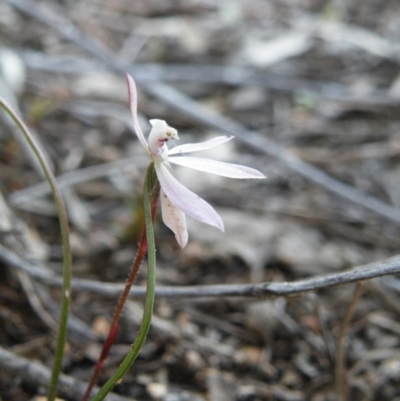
<point x="67" y="259"/>
<point x="114" y="326"/>
<point x="151" y="193"/>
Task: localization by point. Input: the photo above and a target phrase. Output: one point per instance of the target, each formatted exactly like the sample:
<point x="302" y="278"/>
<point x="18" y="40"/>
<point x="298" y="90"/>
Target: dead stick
<point x="380" y="268"/>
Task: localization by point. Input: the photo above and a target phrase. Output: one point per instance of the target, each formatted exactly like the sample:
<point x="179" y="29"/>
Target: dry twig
<point x="263" y="290"/>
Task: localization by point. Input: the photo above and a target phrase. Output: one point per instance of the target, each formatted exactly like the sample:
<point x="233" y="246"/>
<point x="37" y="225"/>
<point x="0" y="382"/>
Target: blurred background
<point x="310" y="80"/>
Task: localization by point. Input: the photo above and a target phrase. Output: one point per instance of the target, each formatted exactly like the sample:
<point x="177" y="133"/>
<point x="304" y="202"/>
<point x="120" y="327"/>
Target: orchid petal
<point x="195" y="147"/>
<point x="184" y="199"/>
<point x="174" y="219"/>
<point x="133" y="105"/>
<point x="216" y="167"/>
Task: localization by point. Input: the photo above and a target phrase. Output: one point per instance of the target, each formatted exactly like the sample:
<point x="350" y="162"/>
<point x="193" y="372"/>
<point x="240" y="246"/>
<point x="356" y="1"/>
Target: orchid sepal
<point x="132" y="92"/>
<point x="216" y="167"/>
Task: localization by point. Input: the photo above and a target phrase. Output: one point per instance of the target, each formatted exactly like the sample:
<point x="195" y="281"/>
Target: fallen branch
<point x="263" y="290"/>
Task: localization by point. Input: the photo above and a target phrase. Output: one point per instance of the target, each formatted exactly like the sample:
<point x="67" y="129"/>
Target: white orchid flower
<point x="176" y="199"/>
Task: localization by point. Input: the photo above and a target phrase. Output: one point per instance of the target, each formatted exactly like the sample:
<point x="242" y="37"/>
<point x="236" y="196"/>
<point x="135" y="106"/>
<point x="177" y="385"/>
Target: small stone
<point x="157" y="390"/>
<point x="194" y="360"/>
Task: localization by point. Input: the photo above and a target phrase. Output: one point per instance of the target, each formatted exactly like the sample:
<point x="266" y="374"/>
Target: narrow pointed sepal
<point x="216" y="167"/>
<point x="132" y="92"/>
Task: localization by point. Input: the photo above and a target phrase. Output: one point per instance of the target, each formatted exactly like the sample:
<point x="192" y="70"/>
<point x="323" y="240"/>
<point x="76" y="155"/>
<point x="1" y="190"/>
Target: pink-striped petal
<point x="195" y="147"/>
<point x="184" y="199"/>
<point x="174" y="219"/>
<point x="133" y="105"/>
<point x="216" y="167"/>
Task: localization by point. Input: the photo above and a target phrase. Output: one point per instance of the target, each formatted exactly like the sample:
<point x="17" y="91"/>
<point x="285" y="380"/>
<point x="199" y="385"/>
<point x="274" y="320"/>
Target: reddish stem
<point x="114" y="327"/>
